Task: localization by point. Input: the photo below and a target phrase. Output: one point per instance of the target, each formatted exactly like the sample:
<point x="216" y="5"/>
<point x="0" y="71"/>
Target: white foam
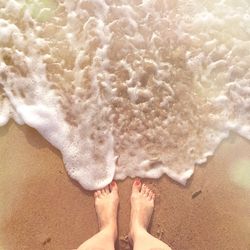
<point x="127" y="88"/>
<point x="4" y="112"/>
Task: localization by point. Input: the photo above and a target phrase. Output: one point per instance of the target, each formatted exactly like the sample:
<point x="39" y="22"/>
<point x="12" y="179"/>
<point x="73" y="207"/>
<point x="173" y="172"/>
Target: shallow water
<point x="127" y="88"/>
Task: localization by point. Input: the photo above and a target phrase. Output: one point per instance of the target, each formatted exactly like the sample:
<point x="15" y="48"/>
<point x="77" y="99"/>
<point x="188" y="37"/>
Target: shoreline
<point x="43" y="208"/>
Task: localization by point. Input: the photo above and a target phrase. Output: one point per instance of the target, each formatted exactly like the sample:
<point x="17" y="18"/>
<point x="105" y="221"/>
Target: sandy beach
<point x="135" y="87"/>
<point x="42" y="208"/>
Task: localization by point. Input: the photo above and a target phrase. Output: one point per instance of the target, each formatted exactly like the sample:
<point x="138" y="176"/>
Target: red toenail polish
<point x="137" y="182"/>
<point x="112" y="183"/>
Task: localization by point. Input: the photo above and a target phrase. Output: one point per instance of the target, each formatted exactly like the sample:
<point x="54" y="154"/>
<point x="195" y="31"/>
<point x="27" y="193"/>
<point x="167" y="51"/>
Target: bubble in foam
<point x="127" y="88"/>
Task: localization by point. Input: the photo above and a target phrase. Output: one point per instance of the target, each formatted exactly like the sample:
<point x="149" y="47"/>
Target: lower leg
<point x="98" y="241"/>
<point x="143" y="241"/>
<point x="142" y="205"/>
<point x="101" y="241"/>
<point x="106" y="204"/>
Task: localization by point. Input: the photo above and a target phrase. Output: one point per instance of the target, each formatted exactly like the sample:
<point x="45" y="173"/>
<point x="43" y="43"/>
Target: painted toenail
<point x="113" y="183"/>
<point x="137" y="182"/>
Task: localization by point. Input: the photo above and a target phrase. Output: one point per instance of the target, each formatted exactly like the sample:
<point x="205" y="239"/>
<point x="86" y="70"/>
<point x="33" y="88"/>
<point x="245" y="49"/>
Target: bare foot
<point x="142" y="206"/>
<point x="106" y="205"/>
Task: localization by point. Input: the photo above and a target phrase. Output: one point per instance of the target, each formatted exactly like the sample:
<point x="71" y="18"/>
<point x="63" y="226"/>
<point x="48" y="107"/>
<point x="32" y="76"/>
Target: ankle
<point x="137" y="232"/>
<point x="110" y="230"/>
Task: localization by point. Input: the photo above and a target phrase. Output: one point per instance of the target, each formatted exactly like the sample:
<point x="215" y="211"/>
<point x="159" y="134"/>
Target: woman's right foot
<point x="106" y="205"/>
<point x="142" y="206"/>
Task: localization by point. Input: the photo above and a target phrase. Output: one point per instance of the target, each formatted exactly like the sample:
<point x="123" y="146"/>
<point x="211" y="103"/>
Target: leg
<point x="142" y="206"/>
<point x="106" y="204"/>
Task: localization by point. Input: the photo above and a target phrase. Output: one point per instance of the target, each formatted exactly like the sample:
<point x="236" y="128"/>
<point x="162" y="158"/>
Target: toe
<point x="153" y="196"/>
<point x="98" y="193"/>
<point x="150" y="195"/>
<point x="113" y="186"/>
<point x="147" y="191"/>
<point x="143" y="189"/>
<point x="136" y="186"/>
<point x="103" y="191"/>
<point x="106" y="189"/>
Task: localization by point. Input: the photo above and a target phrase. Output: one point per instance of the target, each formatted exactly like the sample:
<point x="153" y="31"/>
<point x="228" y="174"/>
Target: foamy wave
<point x="127" y="88"/>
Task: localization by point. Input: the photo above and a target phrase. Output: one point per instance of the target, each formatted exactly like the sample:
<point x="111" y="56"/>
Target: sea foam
<point x="127" y="87"/>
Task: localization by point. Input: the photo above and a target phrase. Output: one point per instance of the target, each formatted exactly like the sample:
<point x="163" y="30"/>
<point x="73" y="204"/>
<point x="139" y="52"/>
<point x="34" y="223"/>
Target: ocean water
<point x="127" y="87"/>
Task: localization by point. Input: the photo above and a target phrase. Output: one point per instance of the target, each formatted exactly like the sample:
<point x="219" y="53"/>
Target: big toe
<point x="113" y="187"/>
<point x="136" y="188"/>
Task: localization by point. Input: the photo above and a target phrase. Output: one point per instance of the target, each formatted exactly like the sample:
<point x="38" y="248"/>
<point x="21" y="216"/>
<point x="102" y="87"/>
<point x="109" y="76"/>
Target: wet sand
<point x="42" y="208"/>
